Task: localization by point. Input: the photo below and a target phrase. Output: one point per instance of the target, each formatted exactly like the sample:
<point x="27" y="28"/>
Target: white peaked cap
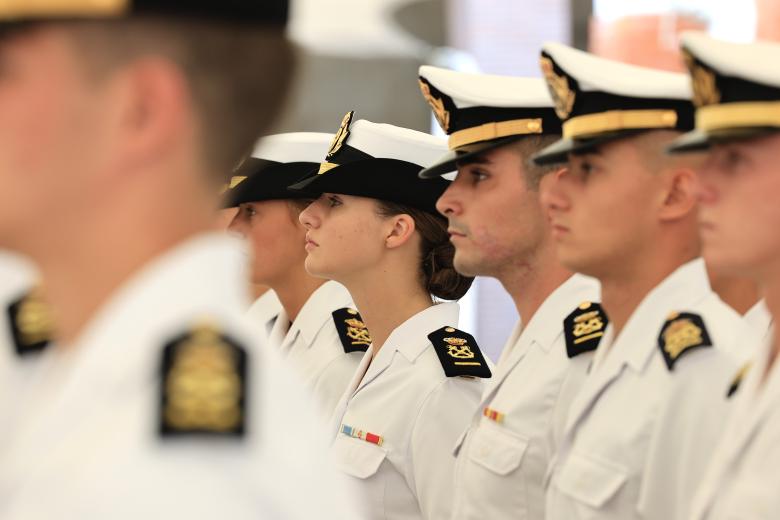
<point x="594" y="73"/>
<point x="384" y="141"/>
<point x="293" y="147"/>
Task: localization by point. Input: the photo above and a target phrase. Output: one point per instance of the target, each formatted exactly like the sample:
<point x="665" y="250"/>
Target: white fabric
<point x="501" y="465"/>
<point x="751" y="61"/>
<point x="404" y="396"/>
<point x="594" y="73"/>
<point x="293" y="147"/>
<point x="88" y="445"/>
<point x="638" y="436"/>
<point x="264" y="311"/>
<point x="468" y="89"/>
<point x="313" y="346"/>
<point x="384" y="141"/>
<point x="741" y="481"/>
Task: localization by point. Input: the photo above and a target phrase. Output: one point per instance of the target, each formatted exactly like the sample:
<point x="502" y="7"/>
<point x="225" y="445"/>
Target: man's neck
<point x="622" y="291"/>
<point x="530" y="284"/>
<point x="81" y="268"/>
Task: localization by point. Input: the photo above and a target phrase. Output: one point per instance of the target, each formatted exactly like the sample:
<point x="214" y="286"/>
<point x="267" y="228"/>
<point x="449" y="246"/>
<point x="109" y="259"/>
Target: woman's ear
<point x="401" y="230"/>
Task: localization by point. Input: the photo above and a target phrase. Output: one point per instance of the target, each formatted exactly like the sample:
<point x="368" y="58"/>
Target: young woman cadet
<point x="374" y="228"/>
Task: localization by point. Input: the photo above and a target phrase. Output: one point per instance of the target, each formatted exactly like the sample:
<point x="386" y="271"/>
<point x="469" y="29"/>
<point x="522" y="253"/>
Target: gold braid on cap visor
<point x="738" y="115"/>
<point x="490" y="131"/>
<point x="601" y="123"/>
<point x="22" y="9"/>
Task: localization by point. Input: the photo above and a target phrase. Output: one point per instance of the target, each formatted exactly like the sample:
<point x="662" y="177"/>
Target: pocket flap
<point x="589" y="480"/>
<point x="499" y="451"/>
<point x="357" y="458"/>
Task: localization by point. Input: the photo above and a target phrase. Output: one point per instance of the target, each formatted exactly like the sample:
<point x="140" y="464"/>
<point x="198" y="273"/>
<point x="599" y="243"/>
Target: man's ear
<point x="681" y="190"/>
<point x="401" y="229"/>
<point x="152" y="114"/>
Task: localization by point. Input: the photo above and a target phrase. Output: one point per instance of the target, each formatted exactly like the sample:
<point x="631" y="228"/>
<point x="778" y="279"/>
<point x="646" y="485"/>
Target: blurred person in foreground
<point x="120" y="120"/>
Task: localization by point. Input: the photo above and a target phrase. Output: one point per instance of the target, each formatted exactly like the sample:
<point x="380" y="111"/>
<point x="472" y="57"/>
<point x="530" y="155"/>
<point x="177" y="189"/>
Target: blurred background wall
<point x="363" y="55"/>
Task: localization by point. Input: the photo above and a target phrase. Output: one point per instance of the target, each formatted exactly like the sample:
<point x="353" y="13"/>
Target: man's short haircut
<point x="238" y="74"/>
<point x="527" y="147"/>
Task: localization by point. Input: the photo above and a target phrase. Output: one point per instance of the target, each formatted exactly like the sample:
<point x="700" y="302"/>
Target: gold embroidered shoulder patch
<point x="682" y="332"/>
<point x="584" y="328"/>
<point x="32" y="324"/>
<point x="203" y="388"/>
<point x="352" y="331"/>
<point x="458" y="353"/>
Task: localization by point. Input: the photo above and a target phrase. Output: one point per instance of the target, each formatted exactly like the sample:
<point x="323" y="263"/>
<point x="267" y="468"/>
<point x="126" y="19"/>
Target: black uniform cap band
<point x="274" y="12"/>
<point x="259" y="180"/>
<point x="392" y="180"/>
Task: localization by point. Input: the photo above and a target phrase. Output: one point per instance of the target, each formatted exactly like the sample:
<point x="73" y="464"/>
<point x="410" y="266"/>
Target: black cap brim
<point x="268" y="181"/>
<point x="558" y="152"/>
<point x="449" y="162"/>
<point x="383" y="179"/>
<point x="699" y="141"/>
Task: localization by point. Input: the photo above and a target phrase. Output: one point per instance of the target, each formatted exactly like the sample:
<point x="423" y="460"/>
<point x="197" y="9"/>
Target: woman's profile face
<point x="345" y="236"/>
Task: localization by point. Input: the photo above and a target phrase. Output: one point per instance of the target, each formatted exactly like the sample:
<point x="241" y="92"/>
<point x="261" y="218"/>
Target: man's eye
<point x="478" y="175"/>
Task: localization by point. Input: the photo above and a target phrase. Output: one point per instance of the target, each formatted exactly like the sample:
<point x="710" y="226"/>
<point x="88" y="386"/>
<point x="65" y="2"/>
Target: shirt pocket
<point x="498" y="451"/>
<point x="590" y="482"/>
<point x="357" y="458"/>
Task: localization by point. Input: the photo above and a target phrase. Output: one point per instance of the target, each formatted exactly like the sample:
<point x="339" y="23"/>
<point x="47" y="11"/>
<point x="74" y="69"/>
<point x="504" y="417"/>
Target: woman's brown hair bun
<point x="438" y="273"/>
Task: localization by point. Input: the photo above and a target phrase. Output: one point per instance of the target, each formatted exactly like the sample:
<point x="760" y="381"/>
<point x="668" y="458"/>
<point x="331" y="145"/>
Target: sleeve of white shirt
<point x="441" y="419"/>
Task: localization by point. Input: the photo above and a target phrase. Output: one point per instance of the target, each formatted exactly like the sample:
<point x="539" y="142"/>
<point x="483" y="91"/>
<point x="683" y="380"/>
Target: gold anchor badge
<point x="357" y="332"/>
<point x="458" y="348"/>
<point x="562" y="95"/>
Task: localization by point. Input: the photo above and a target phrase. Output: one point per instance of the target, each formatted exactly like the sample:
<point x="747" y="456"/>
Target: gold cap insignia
<point x="562" y="94"/>
<point x="341" y="135"/>
<point x="705" y="89"/>
<point x="441" y="114"/>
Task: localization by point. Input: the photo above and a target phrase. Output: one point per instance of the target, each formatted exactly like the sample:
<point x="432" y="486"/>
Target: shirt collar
<point x="681" y="290"/>
<point x="160" y="300"/>
<point x="318" y="309"/>
<point x="547" y="322"/>
<point x="411" y="337"/>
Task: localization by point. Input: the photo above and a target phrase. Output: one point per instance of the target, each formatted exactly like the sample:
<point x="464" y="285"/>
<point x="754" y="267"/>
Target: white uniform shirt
<point x="264" y="311"/>
<point x="742" y="480"/>
<point x="502" y="461"/>
<point x="405" y="399"/>
<point x="313" y="346"/>
<point x="624" y="455"/>
<point x="90" y="446"/>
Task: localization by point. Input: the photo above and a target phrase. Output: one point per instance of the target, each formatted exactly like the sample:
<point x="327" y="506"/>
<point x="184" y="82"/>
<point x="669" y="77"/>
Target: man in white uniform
<point x="737" y="93"/>
<point x="155" y="402"/>
<point x="625" y="213"/>
<point x="499" y="229"/>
